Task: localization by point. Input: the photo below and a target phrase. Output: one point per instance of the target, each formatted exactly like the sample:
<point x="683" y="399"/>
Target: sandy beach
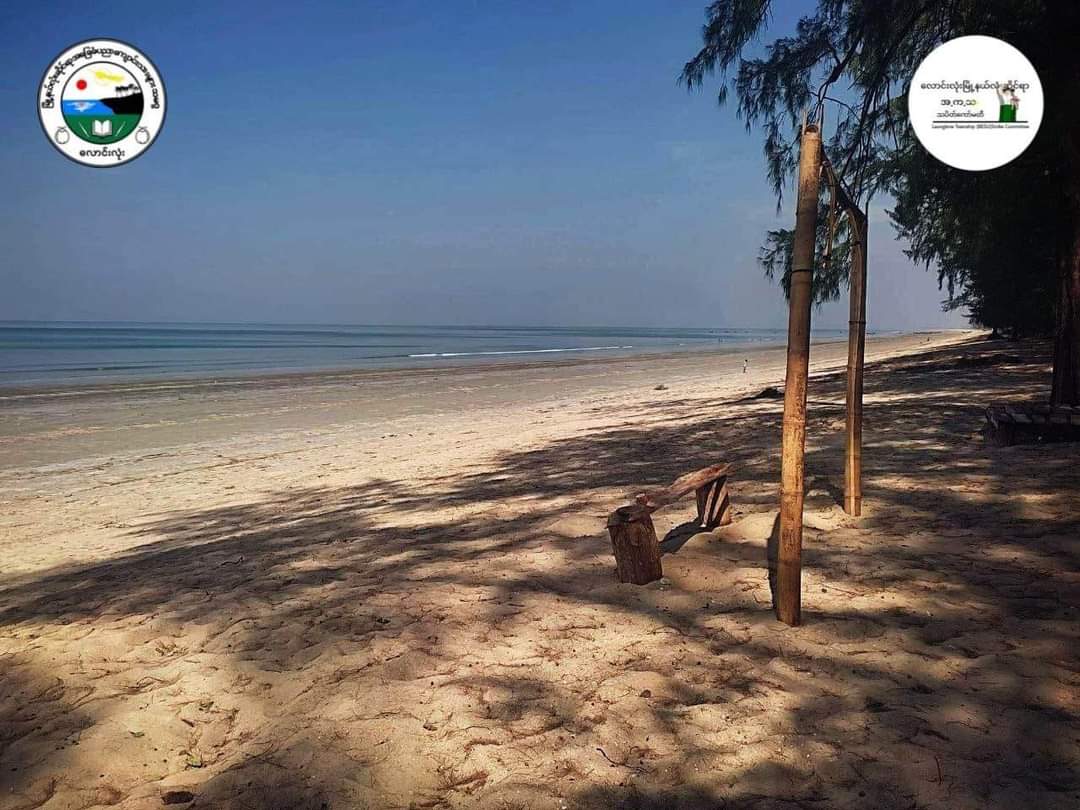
<point x="395" y="590"/>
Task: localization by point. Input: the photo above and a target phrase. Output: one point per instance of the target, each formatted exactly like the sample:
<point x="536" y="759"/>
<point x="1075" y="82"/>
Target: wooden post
<point x="637" y="551"/>
<point x="856" y="355"/>
<point x="789" y="573"/>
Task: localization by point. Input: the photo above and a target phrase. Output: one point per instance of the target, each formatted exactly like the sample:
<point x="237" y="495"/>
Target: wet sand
<point x="42" y="426"/>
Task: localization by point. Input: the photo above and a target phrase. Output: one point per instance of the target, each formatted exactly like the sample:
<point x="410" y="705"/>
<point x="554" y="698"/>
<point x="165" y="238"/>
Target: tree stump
<point x="637" y="550"/>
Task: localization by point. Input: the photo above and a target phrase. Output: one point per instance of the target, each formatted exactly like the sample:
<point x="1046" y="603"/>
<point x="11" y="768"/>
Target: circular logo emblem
<point x="101" y="102"/>
<point x="975" y="103"/>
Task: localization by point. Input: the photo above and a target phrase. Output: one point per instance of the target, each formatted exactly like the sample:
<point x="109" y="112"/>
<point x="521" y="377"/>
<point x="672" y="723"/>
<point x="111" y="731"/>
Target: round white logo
<point x="101" y="102"/>
<point x="975" y="103"/>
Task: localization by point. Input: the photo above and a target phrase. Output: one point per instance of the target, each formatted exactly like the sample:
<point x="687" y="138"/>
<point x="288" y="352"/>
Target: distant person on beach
<point x="1009" y="104"/>
<point x="745" y="364"/>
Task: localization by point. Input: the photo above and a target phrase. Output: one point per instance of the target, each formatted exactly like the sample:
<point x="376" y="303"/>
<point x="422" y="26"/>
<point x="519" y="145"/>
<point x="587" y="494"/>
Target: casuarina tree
<point x="1006" y="242"/>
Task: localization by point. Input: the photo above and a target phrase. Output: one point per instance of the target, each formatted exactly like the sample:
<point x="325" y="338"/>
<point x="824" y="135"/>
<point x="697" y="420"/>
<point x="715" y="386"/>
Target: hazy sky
<point x="406" y="162"/>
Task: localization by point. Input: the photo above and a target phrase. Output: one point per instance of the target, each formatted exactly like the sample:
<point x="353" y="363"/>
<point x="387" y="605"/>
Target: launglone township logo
<point x="975" y="103"/>
<point x="101" y="102"/>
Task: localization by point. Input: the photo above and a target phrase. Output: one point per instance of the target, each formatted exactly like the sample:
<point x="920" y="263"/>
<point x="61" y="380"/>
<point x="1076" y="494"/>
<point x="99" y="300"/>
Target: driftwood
<point x="710" y="488"/>
<point x="633" y="537"/>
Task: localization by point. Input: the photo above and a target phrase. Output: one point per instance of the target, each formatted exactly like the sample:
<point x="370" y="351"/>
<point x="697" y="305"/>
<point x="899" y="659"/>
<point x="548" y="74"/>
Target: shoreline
<point x="195" y="380"/>
<point x="70" y="355"/>
<point x="110" y="425"/>
<point x="160" y="447"/>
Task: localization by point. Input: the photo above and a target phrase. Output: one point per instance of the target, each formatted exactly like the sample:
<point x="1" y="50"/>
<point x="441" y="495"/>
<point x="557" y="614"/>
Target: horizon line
<point x="88" y="322"/>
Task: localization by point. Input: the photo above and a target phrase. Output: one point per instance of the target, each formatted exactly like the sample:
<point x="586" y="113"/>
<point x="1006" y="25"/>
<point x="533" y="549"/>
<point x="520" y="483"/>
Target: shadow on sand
<point x="460" y="642"/>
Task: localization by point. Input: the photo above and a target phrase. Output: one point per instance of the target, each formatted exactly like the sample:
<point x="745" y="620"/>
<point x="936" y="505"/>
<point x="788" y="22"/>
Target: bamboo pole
<point x="789" y="568"/>
<point x="856" y="356"/>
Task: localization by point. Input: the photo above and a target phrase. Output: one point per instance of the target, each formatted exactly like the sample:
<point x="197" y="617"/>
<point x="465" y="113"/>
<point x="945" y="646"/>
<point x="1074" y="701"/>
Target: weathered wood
<point x="789" y="569"/>
<point x="1016" y="422"/>
<point x="681" y="487"/>
<point x="713" y="504"/>
<point x="637" y="549"/>
<point x="633" y="536"/>
<point x="1017" y="416"/>
<point x="856" y="361"/>
<point x="856" y="332"/>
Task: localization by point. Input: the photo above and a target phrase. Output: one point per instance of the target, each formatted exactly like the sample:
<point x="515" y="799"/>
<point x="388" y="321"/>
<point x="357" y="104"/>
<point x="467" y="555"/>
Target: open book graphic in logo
<point x="103" y="129"/>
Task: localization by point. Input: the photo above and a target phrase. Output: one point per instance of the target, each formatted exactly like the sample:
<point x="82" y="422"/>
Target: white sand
<point x="394" y="591"/>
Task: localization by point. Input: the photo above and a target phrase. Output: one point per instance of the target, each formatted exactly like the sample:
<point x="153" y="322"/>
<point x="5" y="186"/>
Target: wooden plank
<point x="653" y="499"/>
<point x="1032" y="421"/>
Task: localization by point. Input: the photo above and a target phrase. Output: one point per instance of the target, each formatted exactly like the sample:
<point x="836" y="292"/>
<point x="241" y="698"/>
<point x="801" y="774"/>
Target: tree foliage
<point x="991" y="235"/>
<point x="1006" y="243"/>
<point x="834" y="256"/>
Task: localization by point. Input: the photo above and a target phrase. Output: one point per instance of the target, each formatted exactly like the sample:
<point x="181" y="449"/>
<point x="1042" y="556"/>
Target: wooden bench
<point x="1012" y="423"/>
<point x="633" y="536"/>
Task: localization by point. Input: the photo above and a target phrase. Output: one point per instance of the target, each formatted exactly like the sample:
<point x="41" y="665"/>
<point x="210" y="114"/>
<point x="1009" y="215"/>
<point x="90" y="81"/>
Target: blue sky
<point x="406" y="162"/>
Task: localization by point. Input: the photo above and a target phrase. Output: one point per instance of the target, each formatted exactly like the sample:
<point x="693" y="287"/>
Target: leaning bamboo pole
<point x="856" y="358"/>
<point x="789" y="553"/>
<point x="857" y="221"/>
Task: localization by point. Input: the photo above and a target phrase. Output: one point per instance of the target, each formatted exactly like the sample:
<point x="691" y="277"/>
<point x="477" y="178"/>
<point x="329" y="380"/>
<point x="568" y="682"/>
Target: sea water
<point x="53" y="353"/>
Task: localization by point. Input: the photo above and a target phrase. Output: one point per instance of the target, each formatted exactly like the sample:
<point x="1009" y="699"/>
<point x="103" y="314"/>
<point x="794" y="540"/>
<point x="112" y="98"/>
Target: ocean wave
<point x="521" y="351"/>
